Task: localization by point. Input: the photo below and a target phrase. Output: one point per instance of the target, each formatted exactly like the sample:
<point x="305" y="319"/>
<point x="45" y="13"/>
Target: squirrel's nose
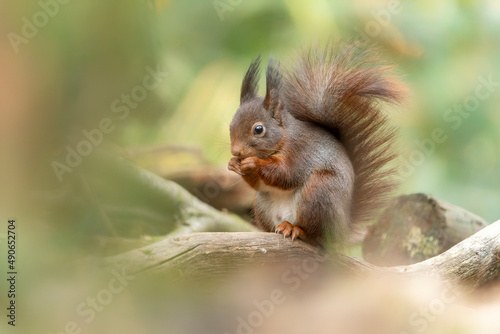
<point x="236" y="153"/>
<point x="236" y="150"/>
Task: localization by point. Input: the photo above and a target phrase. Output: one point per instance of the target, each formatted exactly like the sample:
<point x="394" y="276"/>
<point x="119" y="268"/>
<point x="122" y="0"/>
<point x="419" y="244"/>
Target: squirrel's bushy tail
<point x="341" y="87"/>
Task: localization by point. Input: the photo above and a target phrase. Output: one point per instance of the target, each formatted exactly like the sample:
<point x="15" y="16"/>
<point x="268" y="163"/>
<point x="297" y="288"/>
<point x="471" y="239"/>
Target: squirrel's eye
<point x="258" y="130"/>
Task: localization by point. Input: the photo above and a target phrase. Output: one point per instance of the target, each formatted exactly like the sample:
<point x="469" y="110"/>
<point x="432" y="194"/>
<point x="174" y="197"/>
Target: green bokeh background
<point x="440" y="48"/>
<point x="89" y="54"/>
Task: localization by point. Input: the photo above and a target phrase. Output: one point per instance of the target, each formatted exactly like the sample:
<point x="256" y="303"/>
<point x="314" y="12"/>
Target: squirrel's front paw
<point x="249" y="165"/>
<point x="234" y="165"/>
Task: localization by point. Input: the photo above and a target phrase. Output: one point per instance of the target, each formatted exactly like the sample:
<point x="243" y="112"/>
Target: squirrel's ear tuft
<point x="249" y="84"/>
<point x="272" y="101"/>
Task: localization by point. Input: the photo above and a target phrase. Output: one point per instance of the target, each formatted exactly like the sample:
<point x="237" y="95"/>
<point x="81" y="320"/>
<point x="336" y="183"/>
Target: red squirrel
<point x="317" y="147"/>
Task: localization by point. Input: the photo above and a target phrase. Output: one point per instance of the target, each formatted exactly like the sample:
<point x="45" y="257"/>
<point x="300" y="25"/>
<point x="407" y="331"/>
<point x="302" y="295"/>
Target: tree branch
<point x="468" y="265"/>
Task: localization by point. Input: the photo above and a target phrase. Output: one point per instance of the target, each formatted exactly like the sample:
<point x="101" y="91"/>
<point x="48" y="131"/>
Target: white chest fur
<point x="280" y="204"/>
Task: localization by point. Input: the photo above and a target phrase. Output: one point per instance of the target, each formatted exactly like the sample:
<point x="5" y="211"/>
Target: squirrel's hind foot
<point x="289" y="230"/>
